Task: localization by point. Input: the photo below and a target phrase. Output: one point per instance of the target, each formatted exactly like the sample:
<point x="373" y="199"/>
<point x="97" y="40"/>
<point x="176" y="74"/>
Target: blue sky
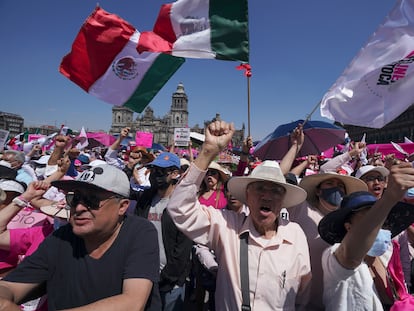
<point x="297" y="51"/>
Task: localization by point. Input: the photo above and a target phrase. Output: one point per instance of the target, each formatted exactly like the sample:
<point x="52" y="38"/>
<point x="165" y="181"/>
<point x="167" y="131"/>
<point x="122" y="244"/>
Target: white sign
<point x="3" y="137"/>
<point x="198" y="137"/>
<point x="181" y="136"/>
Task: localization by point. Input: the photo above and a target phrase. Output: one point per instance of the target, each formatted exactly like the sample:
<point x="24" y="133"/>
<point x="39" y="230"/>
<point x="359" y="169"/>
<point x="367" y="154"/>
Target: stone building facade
<point x="11" y="122"/>
<point x="395" y="131"/>
<point x="162" y="127"/>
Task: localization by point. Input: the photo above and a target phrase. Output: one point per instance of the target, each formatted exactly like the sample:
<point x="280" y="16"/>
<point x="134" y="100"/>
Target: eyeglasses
<point x="211" y="172"/>
<point x="380" y="178"/>
<point x="91" y="201"/>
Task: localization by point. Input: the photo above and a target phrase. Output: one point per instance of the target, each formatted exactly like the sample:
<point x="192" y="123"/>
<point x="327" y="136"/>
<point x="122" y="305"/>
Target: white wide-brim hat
<point x="267" y="171"/>
<point x="224" y="173"/>
<point x="311" y="182"/>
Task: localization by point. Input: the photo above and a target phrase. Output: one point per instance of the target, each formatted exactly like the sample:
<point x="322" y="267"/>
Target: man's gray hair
<point x="18" y="155"/>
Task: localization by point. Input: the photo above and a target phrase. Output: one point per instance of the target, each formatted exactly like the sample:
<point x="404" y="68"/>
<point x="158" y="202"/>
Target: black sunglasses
<point x="373" y="178"/>
<point x="161" y="171"/>
<point x="91" y="201"/>
<point x="212" y="172"/>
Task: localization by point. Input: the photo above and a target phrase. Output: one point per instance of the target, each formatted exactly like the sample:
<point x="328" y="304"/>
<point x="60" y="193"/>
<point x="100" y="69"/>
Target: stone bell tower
<point x="121" y="117"/>
<point x="179" y="108"/>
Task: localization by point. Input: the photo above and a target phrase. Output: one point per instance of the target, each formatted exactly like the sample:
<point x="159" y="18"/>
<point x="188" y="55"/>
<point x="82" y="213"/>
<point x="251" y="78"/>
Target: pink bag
<point x="402" y="299"/>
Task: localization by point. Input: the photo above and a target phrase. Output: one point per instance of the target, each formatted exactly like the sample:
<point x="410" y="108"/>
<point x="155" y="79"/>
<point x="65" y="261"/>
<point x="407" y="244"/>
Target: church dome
<point x="180" y="88"/>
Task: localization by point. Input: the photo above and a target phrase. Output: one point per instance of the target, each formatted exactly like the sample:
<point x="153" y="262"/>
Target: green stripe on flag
<point x="157" y="75"/>
<point x="229" y="29"/>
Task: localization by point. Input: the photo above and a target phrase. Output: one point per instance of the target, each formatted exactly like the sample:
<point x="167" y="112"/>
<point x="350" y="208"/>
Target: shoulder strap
<point x="244" y="271"/>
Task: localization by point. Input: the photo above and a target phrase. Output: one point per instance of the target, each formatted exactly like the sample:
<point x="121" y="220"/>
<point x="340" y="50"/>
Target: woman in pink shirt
<point x="212" y="188"/>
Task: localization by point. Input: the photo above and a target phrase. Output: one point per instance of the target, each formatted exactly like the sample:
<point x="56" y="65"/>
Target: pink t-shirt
<point x="23" y="242"/>
<point x="28" y="217"/>
<point x="211" y="201"/>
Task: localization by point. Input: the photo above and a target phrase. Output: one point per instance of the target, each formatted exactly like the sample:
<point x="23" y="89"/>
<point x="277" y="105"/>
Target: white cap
<point x="371" y="168"/>
<point x="42" y="160"/>
<point x="11" y="185"/>
<point x="100" y="177"/>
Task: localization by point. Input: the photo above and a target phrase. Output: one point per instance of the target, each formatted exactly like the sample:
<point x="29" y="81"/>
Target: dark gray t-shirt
<point x="75" y="279"/>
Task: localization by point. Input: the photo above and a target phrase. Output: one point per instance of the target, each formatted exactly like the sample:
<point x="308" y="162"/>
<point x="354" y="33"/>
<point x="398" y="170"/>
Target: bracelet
<point x="20" y="202"/>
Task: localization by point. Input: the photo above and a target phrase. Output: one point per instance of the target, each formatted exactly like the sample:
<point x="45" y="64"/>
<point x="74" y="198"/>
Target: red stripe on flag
<point x="103" y="36"/>
<point x="163" y="26"/>
<point x="150" y="41"/>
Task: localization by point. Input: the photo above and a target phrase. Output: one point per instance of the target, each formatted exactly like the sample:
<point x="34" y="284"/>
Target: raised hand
<point x="297" y="137"/>
<point x="35" y="190"/>
<point x="218" y="134"/>
<point x="61" y="141"/>
<point x="124" y="132"/>
<point x="400" y="179"/>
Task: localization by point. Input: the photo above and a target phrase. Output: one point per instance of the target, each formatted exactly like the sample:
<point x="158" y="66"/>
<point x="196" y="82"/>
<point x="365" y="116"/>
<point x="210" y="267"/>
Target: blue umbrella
<point x="319" y="136"/>
<point x="158" y="147"/>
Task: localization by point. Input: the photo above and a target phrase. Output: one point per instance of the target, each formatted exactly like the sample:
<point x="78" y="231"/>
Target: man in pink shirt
<point x="278" y="256"/>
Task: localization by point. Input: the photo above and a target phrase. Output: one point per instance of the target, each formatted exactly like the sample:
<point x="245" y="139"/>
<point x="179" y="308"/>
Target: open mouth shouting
<point x="265" y="211"/>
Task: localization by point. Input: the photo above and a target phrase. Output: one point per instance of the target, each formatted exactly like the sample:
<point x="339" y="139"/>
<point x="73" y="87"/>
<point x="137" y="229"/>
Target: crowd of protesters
<point x="114" y="228"/>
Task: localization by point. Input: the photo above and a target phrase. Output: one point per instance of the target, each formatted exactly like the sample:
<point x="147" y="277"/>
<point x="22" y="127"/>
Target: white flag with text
<point x="378" y="84"/>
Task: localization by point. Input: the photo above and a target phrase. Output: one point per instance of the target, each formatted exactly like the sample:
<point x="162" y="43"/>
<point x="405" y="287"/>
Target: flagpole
<point x="248" y="73"/>
<point x="248" y="106"/>
<point x="310" y="114"/>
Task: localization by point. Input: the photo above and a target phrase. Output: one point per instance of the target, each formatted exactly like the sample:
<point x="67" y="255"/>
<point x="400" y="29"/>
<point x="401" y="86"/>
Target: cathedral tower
<point x="179" y="108"/>
<point x="121" y="117"/>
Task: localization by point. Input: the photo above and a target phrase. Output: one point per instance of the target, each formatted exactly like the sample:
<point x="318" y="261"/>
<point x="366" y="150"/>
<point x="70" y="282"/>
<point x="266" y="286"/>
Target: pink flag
<point x="83" y="140"/>
<point x="34" y="137"/>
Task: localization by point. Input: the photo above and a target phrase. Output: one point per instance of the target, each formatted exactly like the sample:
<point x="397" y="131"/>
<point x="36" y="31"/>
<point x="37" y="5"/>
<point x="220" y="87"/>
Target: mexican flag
<point x="200" y="29"/>
<point x="105" y="63"/>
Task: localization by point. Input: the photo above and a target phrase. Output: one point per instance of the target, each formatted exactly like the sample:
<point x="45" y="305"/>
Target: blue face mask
<point x="381" y="244"/>
<point x="410" y="193"/>
<point x="332" y="195"/>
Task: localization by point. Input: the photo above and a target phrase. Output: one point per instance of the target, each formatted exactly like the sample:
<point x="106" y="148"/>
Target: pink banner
<point x="32" y="137"/>
<point x="379" y="148"/>
<point x="389" y="148"/>
<point x="144" y="139"/>
<point x="27" y="218"/>
<point x="100" y="139"/>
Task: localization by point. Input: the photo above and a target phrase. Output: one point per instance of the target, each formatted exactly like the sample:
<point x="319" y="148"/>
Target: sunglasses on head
<point x="92" y="201"/>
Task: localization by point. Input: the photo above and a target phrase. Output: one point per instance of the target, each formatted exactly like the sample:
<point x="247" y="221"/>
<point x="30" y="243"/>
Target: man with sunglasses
<point x="101" y="260"/>
<point x="375" y="177"/>
<point x="174" y="246"/>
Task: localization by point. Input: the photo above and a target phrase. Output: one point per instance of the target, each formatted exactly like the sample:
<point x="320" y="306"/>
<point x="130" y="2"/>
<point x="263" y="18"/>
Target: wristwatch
<point x="20" y="202"/>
